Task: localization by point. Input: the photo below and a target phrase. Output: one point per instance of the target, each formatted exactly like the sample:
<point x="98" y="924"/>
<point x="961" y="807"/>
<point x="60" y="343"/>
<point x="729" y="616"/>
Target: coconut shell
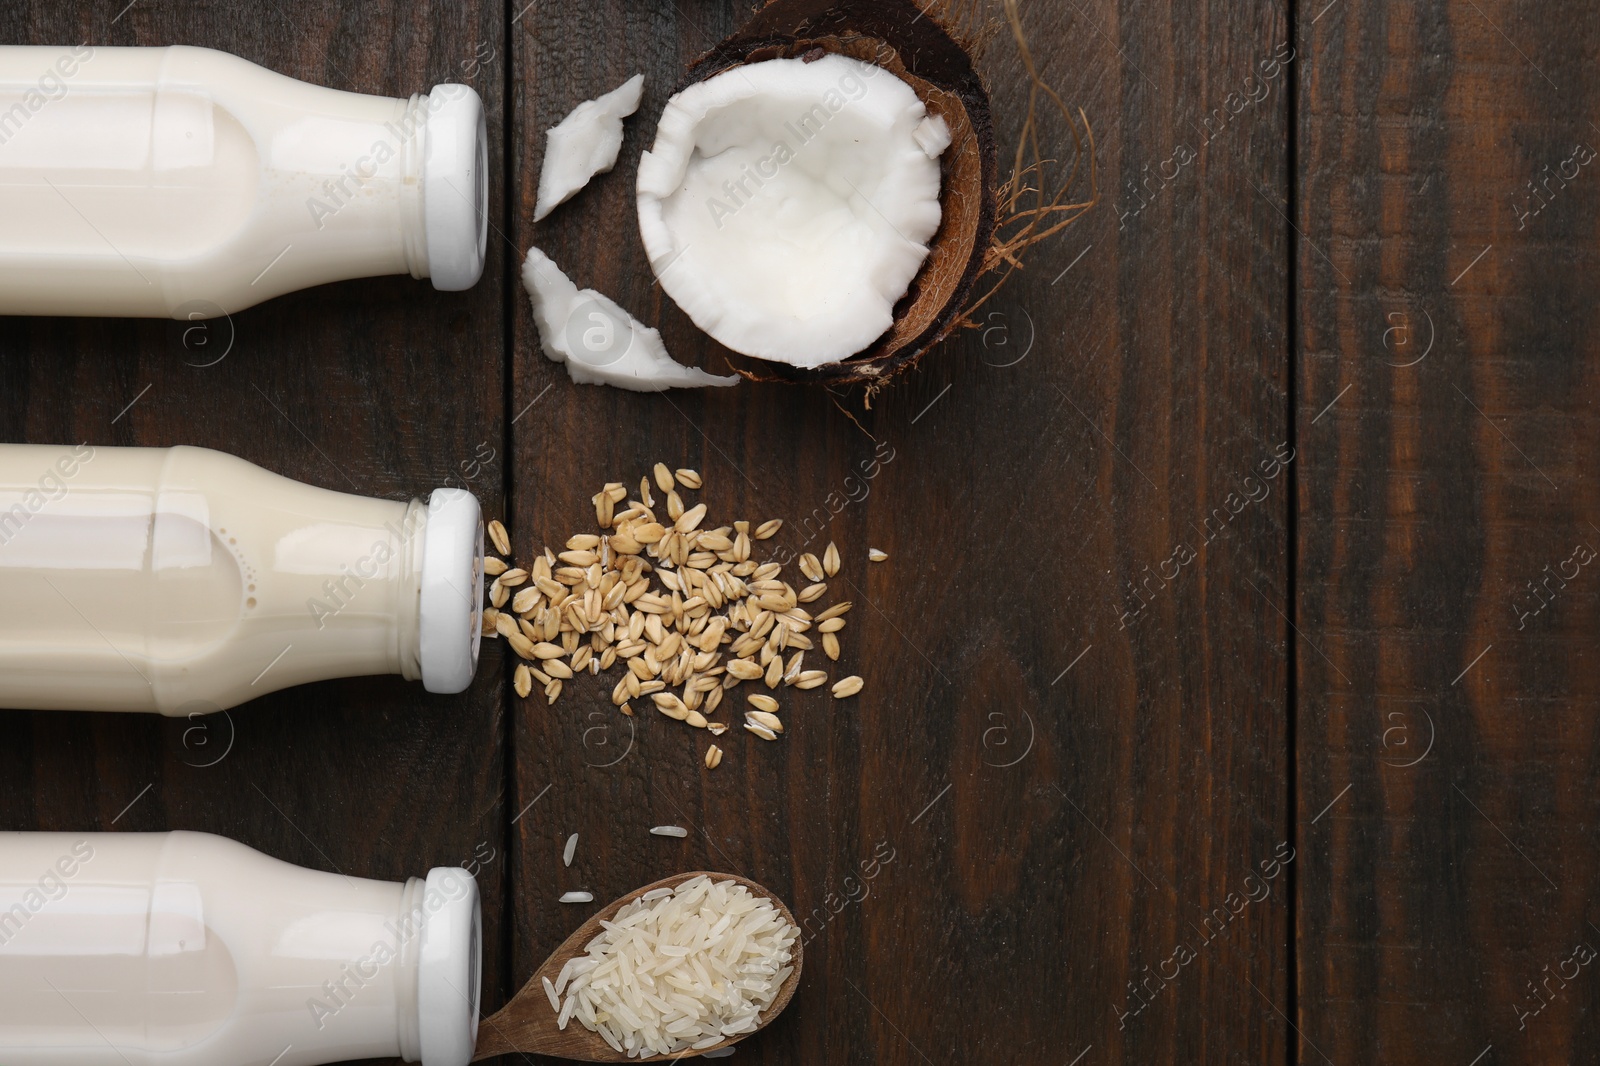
<point x="911" y="43"/>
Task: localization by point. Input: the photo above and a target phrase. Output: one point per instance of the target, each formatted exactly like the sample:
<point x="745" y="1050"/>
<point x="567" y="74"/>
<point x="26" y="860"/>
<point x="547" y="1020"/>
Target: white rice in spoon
<point x="680" y="969"/>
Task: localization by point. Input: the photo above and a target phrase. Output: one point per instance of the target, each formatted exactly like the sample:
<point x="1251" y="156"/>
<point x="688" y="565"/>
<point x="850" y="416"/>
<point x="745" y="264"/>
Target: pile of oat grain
<point x="682" y="607"/>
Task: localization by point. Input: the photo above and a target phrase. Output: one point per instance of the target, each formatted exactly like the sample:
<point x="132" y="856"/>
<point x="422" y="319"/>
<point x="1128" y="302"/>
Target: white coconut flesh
<point x="787" y="205"/>
<point x="584" y="144"/>
<point x="600" y="343"/>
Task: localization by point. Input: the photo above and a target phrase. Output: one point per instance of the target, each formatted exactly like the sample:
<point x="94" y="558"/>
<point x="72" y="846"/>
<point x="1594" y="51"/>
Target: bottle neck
<point x="408" y="592"/>
<point x="429" y="566"/>
<point x="363" y="214"/>
<point x="365" y="612"/>
<point x="408" y="921"/>
<point x="399" y="185"/>
<point x="413" y="223"/>
<point x="379" y="180"/>
<point x="437" y="995"/>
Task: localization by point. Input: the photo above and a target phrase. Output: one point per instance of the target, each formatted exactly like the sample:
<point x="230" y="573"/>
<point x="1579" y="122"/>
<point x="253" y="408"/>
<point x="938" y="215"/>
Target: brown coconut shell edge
<point x="912" y="44"/>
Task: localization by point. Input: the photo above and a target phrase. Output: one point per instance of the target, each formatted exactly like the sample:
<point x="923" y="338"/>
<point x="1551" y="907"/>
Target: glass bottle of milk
<point x="187" y="183"/>
<point x="184" y="580"/>
<point x="189" y="949"/>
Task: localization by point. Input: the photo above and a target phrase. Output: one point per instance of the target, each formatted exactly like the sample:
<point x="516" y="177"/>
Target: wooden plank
<point x="1050" y="804"/>
<point x="382" y="387"/>
<point x="1446" y="674"/>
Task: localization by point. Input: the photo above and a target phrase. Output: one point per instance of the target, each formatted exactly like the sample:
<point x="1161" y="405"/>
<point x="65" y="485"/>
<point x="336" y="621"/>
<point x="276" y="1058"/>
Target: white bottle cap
<point x="450" y="615"/>
<point x="455" y="187"/>
<point x="449" y="967"/>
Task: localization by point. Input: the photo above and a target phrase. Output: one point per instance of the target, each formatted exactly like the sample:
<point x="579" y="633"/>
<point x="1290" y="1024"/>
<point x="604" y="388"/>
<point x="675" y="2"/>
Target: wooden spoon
<point x="528" y="1025"/>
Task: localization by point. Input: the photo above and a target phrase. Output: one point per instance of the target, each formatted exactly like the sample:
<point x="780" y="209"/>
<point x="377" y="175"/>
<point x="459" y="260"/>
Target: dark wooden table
<point x="1221" y="706"/>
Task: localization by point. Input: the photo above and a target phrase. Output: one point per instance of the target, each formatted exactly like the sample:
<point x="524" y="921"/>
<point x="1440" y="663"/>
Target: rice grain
<point x="682" y="971"/>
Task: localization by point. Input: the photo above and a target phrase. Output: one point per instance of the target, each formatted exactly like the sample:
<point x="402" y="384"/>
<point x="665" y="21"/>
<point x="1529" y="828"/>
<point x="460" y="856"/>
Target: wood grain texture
<point x="1447" y="677"/>
<point x="382" y="387"/>
<point x="1067" y="778"/>
<point x="1050" y="804"/>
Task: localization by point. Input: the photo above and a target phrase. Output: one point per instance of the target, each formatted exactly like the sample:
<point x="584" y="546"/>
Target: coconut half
<point x="584" y="144"/>
<point x="786" y="205"/>
<point x="845" y="337"/>
<point x="599" y="342"/>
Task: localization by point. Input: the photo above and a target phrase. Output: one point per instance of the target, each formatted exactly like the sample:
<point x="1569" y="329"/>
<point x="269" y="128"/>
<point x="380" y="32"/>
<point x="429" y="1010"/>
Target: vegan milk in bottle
<point x="184" y="580"/>
<point x="187" y="183"/>
<point x="186" y="949"/>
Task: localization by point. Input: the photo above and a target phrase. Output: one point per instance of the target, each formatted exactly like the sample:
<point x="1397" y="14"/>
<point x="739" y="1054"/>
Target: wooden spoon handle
<point x="493" y="1039"/>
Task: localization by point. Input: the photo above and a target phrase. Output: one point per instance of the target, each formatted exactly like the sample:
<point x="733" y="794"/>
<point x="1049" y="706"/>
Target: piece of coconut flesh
<point x="600" y="343"/>
<point x="584" y="144"/>
<point x="786" y="205"/>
